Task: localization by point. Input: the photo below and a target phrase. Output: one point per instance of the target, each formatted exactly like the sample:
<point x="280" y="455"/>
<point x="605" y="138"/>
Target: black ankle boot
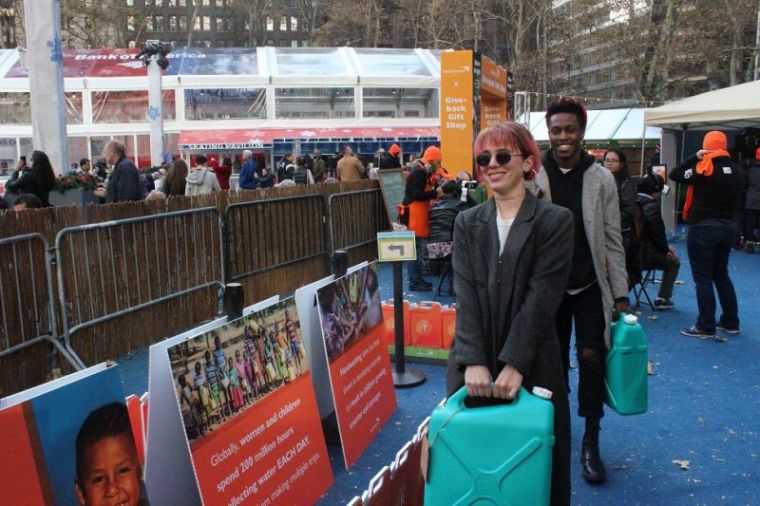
<point x="592" y="466"/>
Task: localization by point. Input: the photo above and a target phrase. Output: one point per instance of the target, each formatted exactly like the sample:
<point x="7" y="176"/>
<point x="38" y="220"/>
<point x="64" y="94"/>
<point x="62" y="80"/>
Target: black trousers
<point x="585" y="311"/>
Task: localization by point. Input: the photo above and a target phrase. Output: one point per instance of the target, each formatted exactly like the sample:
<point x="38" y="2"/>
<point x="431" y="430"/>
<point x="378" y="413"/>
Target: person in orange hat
<point x="420" y="190"/>
<point x="390" y="159"/>
<point x="433" y="156"/>
<point x="752" y="204"/>
<point x="715" y="184"/>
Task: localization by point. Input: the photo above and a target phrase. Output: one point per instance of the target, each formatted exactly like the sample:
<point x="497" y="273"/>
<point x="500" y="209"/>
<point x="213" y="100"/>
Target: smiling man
<point x="597" y="288"/>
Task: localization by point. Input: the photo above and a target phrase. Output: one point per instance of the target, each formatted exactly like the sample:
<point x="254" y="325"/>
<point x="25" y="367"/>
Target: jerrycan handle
<point x="460" y="399"/>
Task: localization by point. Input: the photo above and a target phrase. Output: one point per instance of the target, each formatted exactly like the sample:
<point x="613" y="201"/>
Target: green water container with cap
<point x="626" y="376"/>
<point x="492" y="454"/>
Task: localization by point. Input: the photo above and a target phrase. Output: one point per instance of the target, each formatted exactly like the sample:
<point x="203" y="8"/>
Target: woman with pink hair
<point x="512" y="257"/>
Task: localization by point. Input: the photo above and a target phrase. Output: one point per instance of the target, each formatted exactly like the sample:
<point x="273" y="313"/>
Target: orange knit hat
<point x="394" y="149"/>
<point x="715" y="140"/>
<point x="757" y="154"/>
<point x="432" y="154"/>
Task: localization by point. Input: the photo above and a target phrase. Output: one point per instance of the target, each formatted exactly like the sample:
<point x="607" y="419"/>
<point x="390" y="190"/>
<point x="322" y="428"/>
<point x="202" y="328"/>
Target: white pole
<point x="155" y="112"/>
<point x="45" y="63"/>
<point x="757" y="44"/>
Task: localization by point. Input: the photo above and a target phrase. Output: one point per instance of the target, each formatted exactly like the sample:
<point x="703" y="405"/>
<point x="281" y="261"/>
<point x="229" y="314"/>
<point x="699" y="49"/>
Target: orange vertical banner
<point x="457" y="112"/>
<point x="493" y="88"/>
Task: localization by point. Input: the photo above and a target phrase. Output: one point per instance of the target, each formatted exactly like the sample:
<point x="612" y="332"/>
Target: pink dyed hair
<point x="511" y="134"/>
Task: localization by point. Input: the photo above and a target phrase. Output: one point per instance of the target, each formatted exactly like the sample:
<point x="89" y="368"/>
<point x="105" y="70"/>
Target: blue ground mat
<point x="704" y="408"/>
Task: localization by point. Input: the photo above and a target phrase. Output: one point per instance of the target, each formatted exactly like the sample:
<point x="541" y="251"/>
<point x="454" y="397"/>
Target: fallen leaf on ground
<point x="683" y="464"/>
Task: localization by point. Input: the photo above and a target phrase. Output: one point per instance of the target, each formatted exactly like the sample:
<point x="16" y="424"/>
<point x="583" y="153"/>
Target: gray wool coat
<point x="506" y="305"/>
<point x="601" y="220"/>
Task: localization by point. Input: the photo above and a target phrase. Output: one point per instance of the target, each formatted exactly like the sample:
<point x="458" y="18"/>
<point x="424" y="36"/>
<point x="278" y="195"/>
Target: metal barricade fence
<point x="27" y="308"/>
<point x="109" y="270"/>
<point x="354" y="218"/>
<point x="292" y="229"/>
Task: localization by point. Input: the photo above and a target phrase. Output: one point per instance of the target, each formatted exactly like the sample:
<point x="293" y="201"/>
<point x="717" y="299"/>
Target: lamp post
<point x="154" y="56"/>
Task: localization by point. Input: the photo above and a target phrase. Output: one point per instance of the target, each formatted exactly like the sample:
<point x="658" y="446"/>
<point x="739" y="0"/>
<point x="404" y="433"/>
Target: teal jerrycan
<point x="495" y="454"/>
<point x="626" y="376"/>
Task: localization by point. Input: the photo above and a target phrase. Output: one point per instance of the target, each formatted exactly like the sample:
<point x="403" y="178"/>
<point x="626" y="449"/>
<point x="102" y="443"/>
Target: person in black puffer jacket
<point x="752" y="201"/>
<point x="655" y="252"/>
<point x="444" y="212"/>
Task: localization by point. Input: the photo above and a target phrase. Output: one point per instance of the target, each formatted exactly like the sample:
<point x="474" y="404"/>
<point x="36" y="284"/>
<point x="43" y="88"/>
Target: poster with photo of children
<point x="71" y="443"/>
<point x="349" y="309"/>
<point x="222" y="373"/>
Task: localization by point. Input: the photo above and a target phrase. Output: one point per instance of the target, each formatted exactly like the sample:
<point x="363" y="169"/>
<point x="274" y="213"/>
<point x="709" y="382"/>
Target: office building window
<point x="197" y="23"/>
<point x="131" y="23"/>
<point x="207" y="23"/>
<point x="173" y="23"/>
<point x="293" y="24"/>
<point x="283" y="23"/>
<point x="159" y="23"/>
<point x="270" y="24"/>
<point x="219" y="24"/>
<point x="183" y="23"/>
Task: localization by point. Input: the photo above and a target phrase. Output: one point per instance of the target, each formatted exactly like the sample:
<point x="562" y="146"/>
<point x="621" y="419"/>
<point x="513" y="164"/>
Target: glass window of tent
<point x="309" y="62"/>
<point x="384" y="62"/>
<point x="225" y="103"/>
<point x="400" y="102"/>
<point x="314" y="102"/>
<point x="127" y="106"/>
<point x="15" y="108"/>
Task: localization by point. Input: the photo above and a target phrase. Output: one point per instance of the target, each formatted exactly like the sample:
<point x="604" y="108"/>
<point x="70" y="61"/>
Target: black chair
<point x="443" y="267"/>
<point x="648" y="278"/>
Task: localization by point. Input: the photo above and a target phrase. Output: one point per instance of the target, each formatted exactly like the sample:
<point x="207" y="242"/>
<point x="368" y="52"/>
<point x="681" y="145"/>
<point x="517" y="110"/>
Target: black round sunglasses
<point x="503" y="157"/>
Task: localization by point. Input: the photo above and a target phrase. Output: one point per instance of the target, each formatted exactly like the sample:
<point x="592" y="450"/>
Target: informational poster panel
<point x="360" y="371"/>
<point x="249" y="413"/>
<point x="393" y="185"/>
<point x="311" y="330"/>
<point x="60" y="442"/>
<point x="306" y="304"/>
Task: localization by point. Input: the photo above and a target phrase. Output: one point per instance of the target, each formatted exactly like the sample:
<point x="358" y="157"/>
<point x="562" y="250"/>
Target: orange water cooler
<point x="390" y="336"/>
<point x="426" y="324"/>
<point x="448" y="325"/>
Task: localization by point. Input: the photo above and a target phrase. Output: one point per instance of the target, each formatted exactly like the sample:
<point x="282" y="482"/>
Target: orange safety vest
<point x="419" y="210"/>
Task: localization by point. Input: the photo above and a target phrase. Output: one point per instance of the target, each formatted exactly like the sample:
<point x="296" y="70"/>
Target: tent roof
<point x="729" y="108"/>
<point x="301" y="66"/>
<point x="605" y="125"/>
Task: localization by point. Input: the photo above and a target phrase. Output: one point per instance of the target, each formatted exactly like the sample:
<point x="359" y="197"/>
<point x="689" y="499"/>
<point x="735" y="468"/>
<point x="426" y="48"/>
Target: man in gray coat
<point x="598" y="287"/>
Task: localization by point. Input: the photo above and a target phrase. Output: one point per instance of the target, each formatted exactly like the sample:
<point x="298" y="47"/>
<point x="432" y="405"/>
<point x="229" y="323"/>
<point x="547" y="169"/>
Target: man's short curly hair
<point x="570" y="105"/>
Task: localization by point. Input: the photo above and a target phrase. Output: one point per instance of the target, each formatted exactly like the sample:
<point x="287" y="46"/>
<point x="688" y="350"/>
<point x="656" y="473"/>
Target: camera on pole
<point x="155" y="48"/>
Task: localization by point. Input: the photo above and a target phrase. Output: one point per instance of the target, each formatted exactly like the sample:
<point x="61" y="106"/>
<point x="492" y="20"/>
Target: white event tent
<point x="731" y="108"/>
